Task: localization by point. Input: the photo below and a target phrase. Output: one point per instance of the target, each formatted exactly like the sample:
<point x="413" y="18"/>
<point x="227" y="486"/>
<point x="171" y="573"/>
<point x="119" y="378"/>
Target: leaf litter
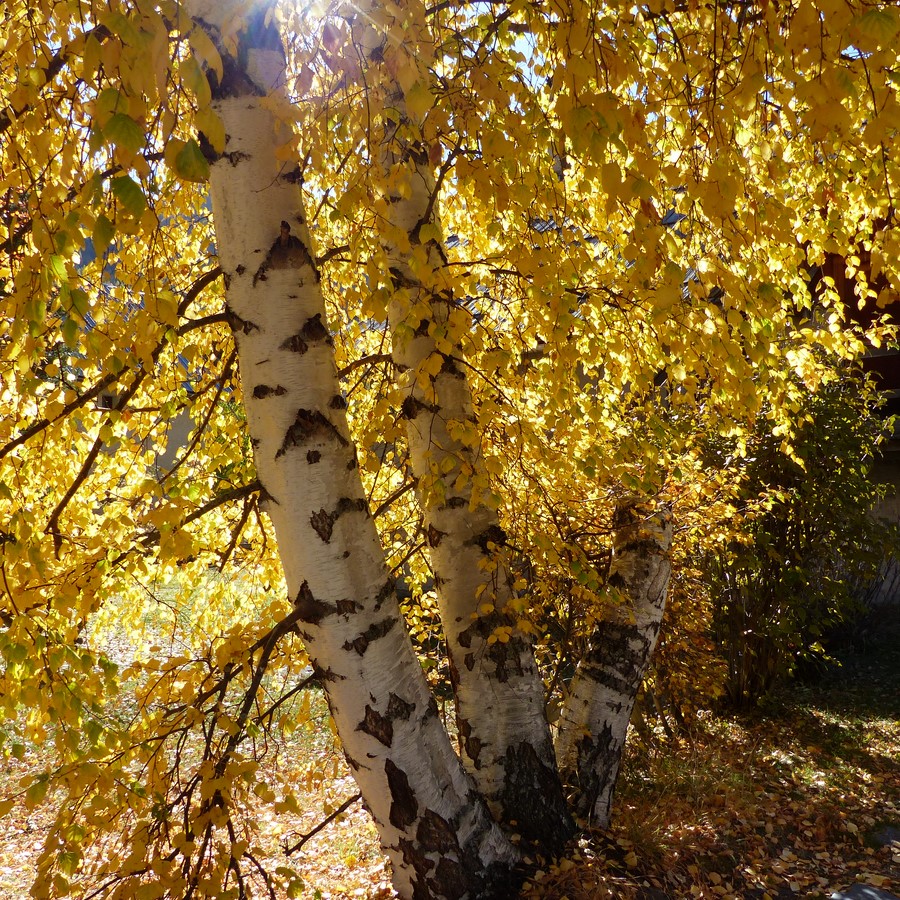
<point x="800" y="800"/>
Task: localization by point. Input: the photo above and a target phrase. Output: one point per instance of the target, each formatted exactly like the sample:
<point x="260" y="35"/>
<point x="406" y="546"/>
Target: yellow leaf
<point x="418" y="101"/>
<point x="210" y="125"/>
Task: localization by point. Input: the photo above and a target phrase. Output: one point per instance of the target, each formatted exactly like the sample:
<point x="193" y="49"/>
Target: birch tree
<point x="461" y="249"/>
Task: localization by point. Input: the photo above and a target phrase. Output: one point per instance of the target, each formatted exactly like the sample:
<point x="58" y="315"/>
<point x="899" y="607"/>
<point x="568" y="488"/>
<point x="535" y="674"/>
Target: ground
<point x="796" y="800"/>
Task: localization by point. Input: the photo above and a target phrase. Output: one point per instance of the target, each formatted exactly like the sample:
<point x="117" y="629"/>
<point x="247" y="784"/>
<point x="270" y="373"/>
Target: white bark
<point x="499" y="693"/>
<point x="595" y="716"/>
<point x="438" y="833"/>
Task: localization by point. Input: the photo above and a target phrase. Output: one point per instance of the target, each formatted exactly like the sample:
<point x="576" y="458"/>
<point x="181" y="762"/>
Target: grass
<point x="787" y="802"/>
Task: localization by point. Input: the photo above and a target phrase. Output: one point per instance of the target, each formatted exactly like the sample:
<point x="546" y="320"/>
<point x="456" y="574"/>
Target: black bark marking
<point x="611" y="661"/>
<point x="265" y="498"/>
<point x="311" y="610"/>
<point x="308" y="426"/>
<point x="417" y="151"/>
<point x="449" y="367"/>
<point x="237" y="324"/>
<point x="532" y="797"/>
<point x="493" y="534"/>
<point x="325" y="675"/>
<point x="348" y="607"/>
<point x="412" y="406"/>
<point x="421" y="863"/>
<point x="293" y="176"/>
<point x="456" y="503"/>
<point x="261" y="391"/>
<point x="597" y="770"/>
<point x="435" y="833"/>
<point x="353" y="462"/>
<point x="450" y="879"/>
<point x="375" y="631"/>
<point x="288" y="252"/>
<point x="388" y="589"/>
<point x="398" y="708"/>
<point x="434" y="536"/>
<point x="313" y="456"/>
<point x="469" y="661"/>
<point x="207" y="149"/>
<point x="471" y="743"/>
<point x="240" y="270"/>
<point x="345" y="504"/>
<point x="337" y="402"/>
<point x="236" y="157"/>
<point x="235" y="81"/>
<point x="507" y="658"/>
<point x="295" y="344"/>
<point x="322" y="523"/>
<point x="315" y="331"/>
<point x="255" y="442"/>
<point x="404" y="807"/>
<point x="378" y="726"/>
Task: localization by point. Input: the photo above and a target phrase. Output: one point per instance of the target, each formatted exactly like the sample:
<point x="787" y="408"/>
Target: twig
<point x="323" y="824"/>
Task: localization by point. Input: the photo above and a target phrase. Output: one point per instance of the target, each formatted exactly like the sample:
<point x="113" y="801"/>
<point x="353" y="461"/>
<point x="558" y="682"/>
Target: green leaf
<point x="69" y="331"/>
<point x="104" y="231"/>
<point x="195" y="78"/>
<point x="880" y="24"/>
<point x="80" y="301"/>
<point x="124" y="132"/>
<point x="107" y="102"/>
<point x="191" y="164"/>
<point x="58" y="267"/>
<point x="129" y="193"/>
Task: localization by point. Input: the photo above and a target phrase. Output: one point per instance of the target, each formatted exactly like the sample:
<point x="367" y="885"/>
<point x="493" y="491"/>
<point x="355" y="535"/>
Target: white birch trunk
<point x="439" y="835"/>
<point x="594" y="720"/>
<point x="499" y="694"/>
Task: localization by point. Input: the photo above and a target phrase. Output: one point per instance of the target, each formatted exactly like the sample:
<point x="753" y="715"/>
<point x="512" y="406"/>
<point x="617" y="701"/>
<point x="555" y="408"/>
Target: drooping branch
<point x="56" y="64"/>
<point x="110" y="378"/>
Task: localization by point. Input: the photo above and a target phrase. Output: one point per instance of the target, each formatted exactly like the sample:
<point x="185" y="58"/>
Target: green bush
<point x="806" y="537"/>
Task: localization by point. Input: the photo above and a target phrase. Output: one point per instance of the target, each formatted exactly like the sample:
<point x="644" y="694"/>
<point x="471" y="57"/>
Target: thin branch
<point x="193" y="324"/>
<point x="323" y="824"/>
<point x="330" y="254"/>
<point x="195" y="289"/>
<point x="237" y="493"/>
<point x="111" y="379"/>
<point x="87" y="465"/>
<point x="236" y="533"/>
<point x="198" y="434"/>
<point x="302" y="686"/>
<point x="371" y="360"/>
<point x="386" y="504"/>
